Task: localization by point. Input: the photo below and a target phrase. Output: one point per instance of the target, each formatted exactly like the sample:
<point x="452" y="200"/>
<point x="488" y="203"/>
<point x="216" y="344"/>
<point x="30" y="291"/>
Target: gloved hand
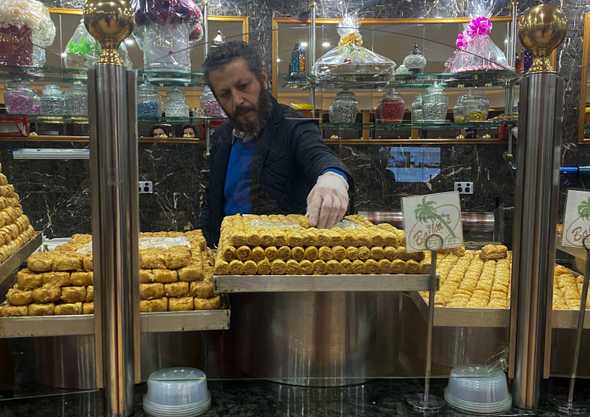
<point x="327" y="201"/>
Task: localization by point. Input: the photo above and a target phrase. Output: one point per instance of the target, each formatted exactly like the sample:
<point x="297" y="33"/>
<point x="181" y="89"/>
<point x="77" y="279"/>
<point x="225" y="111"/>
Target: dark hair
<point x="227" y="52"/>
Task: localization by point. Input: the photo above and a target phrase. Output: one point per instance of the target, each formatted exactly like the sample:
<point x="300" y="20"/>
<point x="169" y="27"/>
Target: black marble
<point x="383" y="398"/>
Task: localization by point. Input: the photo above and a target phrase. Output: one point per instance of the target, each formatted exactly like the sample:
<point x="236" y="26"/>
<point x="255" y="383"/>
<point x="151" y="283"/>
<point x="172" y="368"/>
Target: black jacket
<point x="289" y="157"/>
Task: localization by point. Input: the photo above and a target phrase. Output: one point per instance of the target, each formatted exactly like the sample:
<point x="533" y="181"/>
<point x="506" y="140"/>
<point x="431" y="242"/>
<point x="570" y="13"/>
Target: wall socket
<point x="464" y="187"/>
<point x="146" y="187"/>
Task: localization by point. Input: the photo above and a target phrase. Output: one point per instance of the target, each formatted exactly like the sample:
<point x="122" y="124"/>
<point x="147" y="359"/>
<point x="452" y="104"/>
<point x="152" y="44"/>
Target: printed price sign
<point x="576" y="224"/>
<point x="432" y="221"/>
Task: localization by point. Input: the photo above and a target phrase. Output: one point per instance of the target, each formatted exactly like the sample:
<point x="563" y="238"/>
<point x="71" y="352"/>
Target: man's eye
<point x="224" y="94"/>
<point x="243" y="86"/>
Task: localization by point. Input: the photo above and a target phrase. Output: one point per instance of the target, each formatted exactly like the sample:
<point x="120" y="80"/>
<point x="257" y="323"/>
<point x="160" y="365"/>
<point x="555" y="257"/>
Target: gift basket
<point x="82" y="50"/>
<point x="350" y="61"/>
<point x="23" y="24"/>
<point x="166" y="30"/>
<point x="475" y="49"/>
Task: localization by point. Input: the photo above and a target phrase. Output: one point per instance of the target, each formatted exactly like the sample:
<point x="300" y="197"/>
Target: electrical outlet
<point x="464" y="187"/>
<point x="146" y="187"/>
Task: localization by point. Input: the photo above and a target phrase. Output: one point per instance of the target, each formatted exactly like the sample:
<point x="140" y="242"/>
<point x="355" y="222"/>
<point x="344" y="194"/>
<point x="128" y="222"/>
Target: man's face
<point x="238" y="91"/>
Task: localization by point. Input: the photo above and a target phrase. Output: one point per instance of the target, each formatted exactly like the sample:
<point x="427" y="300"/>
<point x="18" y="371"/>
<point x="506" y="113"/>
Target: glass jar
<point x="415" y="61"/>
<point x="148" y="102"/>
<point x="77" y="100"/>
<point x="476" y="107"/>
<point x="176" y="104"/>
<point x="391" y="108"/>
<point x="344" y="108"/>
<point x="166" y="51"/>
<point x="435" y="104"/>
<point x="210" y="105"/>
<point x="21" y="99"/>
<point x="459" y="110"/>
<point x="53" y="101"/>
<point x="417" y="110"/>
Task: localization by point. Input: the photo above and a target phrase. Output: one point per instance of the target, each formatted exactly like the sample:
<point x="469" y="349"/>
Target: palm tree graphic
<point x="426" y="212"/>
<point x="584" y="209"/>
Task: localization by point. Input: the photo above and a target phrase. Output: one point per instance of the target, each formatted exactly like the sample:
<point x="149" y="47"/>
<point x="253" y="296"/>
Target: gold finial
<point x="541" y="30"/>
<point x="109" y="22"/>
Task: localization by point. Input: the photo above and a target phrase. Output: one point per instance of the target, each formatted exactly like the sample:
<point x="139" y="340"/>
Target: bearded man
<point x="265" y="159"/>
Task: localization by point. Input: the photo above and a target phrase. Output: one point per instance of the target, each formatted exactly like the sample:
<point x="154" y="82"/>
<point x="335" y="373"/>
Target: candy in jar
<point x="21" y="99"/>
<point x="344" y="108"/>
<point x="77" y="100"/>
<point x="391" y="108"/>
<point x="176" y="104"/>
<point x="148" y="102"/>
<point x="53" y="102"/>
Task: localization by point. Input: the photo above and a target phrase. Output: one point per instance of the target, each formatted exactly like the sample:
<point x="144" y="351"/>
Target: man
<point x="264" y="160"/>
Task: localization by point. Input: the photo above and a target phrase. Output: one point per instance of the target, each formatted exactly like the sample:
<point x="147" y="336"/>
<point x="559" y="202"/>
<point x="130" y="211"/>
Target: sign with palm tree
<point x="576" y="222"/>
<point x="433" y="214"/>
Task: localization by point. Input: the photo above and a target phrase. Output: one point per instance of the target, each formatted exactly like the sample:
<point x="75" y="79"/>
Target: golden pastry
<point x="150" y="306"/>
<point x="271" y="253"/>
<point x="81" y="278"/>
<point x="325" y="253"/>
<point x="250" y="268"/>
<point x="377" y="253"/>
<point x="323" y="238"/>
<point x="311" y="253"/>
<point x="151" y="291"/>
<point x="229" y="253"/>
<point x="26" y="280"/>
<point x="68" y="309"/>
<point x="165" y="276"/>
<point x="390" y="252"/>
<point x="293" y="267"/>
<point x="18" y="297"/>
<point x="40" y="262"/>
<point x="339" y="253"/>
<point x="222" y="267"/>
<point x="13" y="311"/>
<point x="177" y="257"/>
<point x="371" y="266"/>
<point x="398" y="266"/>
<point x="257" y="254"/>
<point x="310" y="237"/>
<point x="335" y="238"/>
<point x="263" y="267"/>
<point x="416" y="256"/>
<point x="88" y="308"/>
<point x="489" y="252"/>
<point x="306" y="267"/>
<point x="191" y="272"/>
<point x="56" y="279"/>
<point x="151" y="259"/>
<point x="176" y="289"/>
<point x="89" y="294"/>
<point x="278" y="267"/>
<point x="346" y="266"/>
<point x="236" y="268"/>
<point x="319" y="267"/>
<point x="402" y="254"/>
<point x="87" y="263"/>
<point x="243" y="253"/>
<point x="284" y="253"/>
<point x="425" y="267"/>
<point x="73" y="294"/>
<point x="46" y="294"/>
<point x="298" y="253"/>
<point x="181" y="304"/>
<point x="266" y="238"/>
<point x="239" y="239"/>
<point x="145" y="276"/>
<point x="352" y="253"/>
<point x="294" y="238"/>
<point x="358" y="267"/>
<point x="333" y="267"/>
<point x="364" y="253"/>
<point x="41" y="309"/>
<point x="212" y="303"/>
<point x="68" y="262"/>
<point x="253" y="239"/>
<point x="384" y="266"/>
<point x="202" y="289"/>
<point x="412" y="267"/>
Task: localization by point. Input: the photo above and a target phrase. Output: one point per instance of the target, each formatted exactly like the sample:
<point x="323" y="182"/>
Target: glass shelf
<point x="488" y="124"/>
<point x="179" y="120"/>
<point x="481" y="79"/>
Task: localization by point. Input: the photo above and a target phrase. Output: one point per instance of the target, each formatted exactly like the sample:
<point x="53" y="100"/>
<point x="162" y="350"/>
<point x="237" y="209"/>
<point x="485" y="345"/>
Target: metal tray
<point x="80" y="325"/>
<point x="11" y="265"/>
<point x="320" y="283"/>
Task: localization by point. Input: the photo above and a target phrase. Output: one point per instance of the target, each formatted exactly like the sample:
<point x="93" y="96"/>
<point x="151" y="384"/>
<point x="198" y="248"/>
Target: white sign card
<point x="434" y="216"/>
<point x="576" y="222"/>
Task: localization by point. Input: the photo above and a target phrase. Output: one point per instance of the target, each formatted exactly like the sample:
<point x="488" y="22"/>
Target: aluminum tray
<point x="79" y="325"/>
<point x="11" y="265"/>
<point x="490" y="317"/>
<point x="320" y="283"/>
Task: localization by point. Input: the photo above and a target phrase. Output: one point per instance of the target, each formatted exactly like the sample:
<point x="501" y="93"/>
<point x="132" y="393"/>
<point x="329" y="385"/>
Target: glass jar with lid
<point x="391" y="108"/>
<point x="435" y="104"/>
<point x="21" y="99"/>
<point x="417" y="110"/>
<point x="77" y="100"/>
<point x="148" y="102"/>
<point x="53" y="101"/>
<point x="476" y="107"/>
<point x="415" y="61"/>
<point x="176" y="104"/>
<point x="459" y="110"/>
<point x="344" y="108"/>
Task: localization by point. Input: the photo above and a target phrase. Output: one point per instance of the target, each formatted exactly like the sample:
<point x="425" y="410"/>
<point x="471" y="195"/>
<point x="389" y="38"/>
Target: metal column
<point x="537" y="188"/>
<point x="115" y="214"/>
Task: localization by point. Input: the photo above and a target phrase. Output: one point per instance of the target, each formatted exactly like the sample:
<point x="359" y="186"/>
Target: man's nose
<point x="238" y="97"/>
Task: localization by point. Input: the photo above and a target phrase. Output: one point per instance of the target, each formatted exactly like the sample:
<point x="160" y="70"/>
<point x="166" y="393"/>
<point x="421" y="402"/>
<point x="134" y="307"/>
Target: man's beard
<point x="252" y="128"/>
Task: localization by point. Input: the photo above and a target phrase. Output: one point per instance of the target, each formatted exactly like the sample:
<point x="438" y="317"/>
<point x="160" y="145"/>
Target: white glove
<point x="327" y="201"/>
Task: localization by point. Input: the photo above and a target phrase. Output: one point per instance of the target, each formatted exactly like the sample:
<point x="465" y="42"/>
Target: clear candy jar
<point x="435" y="104"/>
<point x="476" y="107"/>
<point x="53" y="101"/>
<point x="176" y="104"/>
<point x="417" y="110"/>
<point x="77" y="100"/>
<point x="415" y="61"/>
<point x="391" y="108"/>
<point x="459" y="110"/>
<point x="344" y="108"/>
<point x="21" y="99"/>
<point x="148" y="102"/>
